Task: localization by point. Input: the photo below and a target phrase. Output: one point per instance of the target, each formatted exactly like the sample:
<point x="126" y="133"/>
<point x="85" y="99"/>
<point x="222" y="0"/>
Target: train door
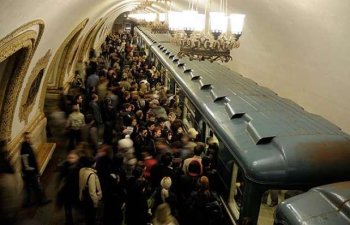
<point x="236" y="191"/>
<point x="190" y="116"/>
<point x="167" y="80"/>
<point x="209" y="132"/>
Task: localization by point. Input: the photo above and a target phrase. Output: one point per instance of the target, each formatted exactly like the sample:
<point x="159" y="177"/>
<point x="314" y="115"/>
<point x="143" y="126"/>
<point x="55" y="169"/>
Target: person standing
<point x="30" y="173"/>
<point x="90" y="192"/>
<point x="76" y="120"/>
<point x="68" y="179"/>
<point x="9" y="203"/>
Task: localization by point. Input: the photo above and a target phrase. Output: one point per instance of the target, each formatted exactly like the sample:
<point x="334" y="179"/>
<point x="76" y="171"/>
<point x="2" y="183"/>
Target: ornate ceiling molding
<point x="6" y="40"/>
<point x="60" y="61"/>
<point x="84" y="47"/>
<point x="22" y="38"/>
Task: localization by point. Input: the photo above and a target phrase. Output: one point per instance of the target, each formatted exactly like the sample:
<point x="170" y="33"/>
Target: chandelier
<point x="201" y="36"/>
<point x="157" y="22"/>
<point x="210" y="36"/>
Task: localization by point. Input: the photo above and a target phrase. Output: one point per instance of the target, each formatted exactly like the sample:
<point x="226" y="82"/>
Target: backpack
<point x="213" y="210"/>
<point x="86" y="198"/>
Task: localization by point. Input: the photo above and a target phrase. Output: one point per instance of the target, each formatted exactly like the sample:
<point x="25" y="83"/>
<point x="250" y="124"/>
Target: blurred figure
<point x="90" y="192"/>
<point x="30" y="173"/>
<point x="57" y="122"/>
<point x="68" y="179"/>
<point x="136" y="208"/>
<point x="163" y="216"/>
<point x="10" y="200"/>
<point x="76" y="120"/>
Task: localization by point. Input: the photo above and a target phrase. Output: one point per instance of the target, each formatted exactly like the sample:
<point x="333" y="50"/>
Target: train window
<point x="178" y="90"/>
<point x="270" y="200"/>
<point x="236" y="191"/>
<point x="167" y="80"/>
<point x="189" y="115"/>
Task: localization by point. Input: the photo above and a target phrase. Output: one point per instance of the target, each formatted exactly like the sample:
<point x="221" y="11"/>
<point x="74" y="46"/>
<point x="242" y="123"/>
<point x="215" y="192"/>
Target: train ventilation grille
<point x="260" y="130"/>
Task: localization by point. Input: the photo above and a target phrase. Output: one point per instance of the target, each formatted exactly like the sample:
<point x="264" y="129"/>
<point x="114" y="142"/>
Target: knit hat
<point x="166" y="182"/>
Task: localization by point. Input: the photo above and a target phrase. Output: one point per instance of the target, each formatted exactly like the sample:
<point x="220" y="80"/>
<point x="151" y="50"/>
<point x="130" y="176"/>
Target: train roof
<point x="328" y="205"/>
<point x="274" y="140"/>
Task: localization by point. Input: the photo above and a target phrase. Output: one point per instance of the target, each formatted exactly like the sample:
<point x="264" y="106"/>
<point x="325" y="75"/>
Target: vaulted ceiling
<point x="297" y="48"/>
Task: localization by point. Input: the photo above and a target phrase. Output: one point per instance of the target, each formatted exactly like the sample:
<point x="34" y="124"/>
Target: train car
<point x="269" y="146"/>
<point x="325" y="205"/>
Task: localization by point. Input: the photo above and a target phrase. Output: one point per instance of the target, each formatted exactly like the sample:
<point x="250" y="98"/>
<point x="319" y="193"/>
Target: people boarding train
<point x="137" y="163"/>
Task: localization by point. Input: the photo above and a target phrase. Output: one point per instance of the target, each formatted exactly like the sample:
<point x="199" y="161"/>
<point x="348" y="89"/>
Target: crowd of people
<point x="130" y="159"/>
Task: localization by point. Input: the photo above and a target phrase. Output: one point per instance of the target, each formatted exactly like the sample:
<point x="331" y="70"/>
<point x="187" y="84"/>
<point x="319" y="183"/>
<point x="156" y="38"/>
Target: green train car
<point x="270" y="148"/>
<point x="324" y="205"/>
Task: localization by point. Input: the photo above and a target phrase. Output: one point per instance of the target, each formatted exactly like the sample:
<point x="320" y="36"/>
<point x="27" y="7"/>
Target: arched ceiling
<point x="297" y="48"/>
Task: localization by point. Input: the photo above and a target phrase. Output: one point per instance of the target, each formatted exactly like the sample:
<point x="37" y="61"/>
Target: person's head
<point x="137" y="172"/>
<point x="73" y="157"/>
<point x="125" y="144"/>
<point x="79" y="99"/>
<point x="179" y="130"/>
<point x="171" y="117"/>
<point x="127" y="107"/>
<point x="94" y="97"/>
<point x="154" y="103"/>
<point x="192" y="133"/>
<point x="194" y="168"/>
<point x="199" y="149"/>
<point x="103" y="150"/>
<point x="143" y="131"/>
<point x="150" y="125"/>
<point x="139" y="114"/>
<point x="166" y="159"/>
<point x="157" y="132"/>
<point x="161" y="122"/>
<point x="27" y="137"/>
<point x="126" y="95"/>
<point x="134" y="122"/>
<point x="169" y="136"/>
<point x="163" y="214"/>
<point x="203" y="184"/>
<point x="86" y="161"/>
<point x="165" y="183"/>
<point x="206" y="161"/>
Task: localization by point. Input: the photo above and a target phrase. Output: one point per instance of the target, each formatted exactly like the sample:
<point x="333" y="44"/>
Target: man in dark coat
<point x="30" y="173"/>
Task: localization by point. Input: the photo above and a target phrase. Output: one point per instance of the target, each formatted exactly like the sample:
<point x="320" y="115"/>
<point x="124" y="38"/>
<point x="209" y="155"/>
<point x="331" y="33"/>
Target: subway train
<point x="270" y="148"/>
<point x="325" y="205"/>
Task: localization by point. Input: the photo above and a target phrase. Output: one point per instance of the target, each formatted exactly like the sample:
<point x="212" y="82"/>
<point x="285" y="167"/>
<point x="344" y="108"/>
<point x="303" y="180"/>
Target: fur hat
<point x="194" y="168"/>
<point x="212" y="140"/>
<point x="154" y="101"/>
<point x="125" y="143"/>
<point x="192" y="133"/>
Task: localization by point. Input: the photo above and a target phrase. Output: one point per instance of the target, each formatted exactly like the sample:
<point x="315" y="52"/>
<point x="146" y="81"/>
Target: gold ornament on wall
<point x="25" y="39"/>
<point x="32" y="88"/>
<point x="59" y="64"/>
